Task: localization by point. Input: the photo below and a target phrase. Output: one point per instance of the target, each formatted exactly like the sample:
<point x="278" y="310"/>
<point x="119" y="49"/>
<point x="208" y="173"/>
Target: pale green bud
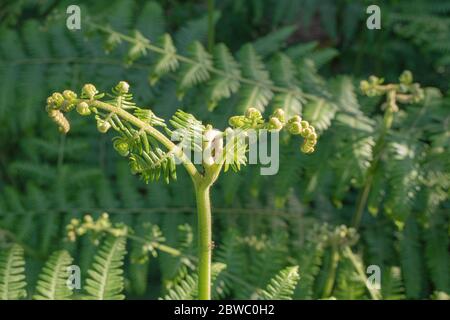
<point x="295" y="118"/>
<point x="279" y="114"/>
<point x="306" y="132"/>
<point x="275" y="124"/>
<point x="406" y="77"/>
<point x="253" y="113"/>
<point x="83" y="109"/>
<point x="89" y="90"/>
<point x="123" y="87"/>
<point x="103" y="126"/>
<point x="58" y="99"/>
<point x="121" y="147"/>
<point x="69" y="95"/>
<point x="295" y="128"/>
<point x="237" y="121"/>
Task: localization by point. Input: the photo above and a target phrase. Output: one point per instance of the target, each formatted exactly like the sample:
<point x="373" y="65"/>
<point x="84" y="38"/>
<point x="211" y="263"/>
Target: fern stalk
<point x="331" y="277"/>
<point x="204" y="242"/>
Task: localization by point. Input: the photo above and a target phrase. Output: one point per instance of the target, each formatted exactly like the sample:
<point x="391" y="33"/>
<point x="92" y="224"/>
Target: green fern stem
<point x="202" y="184"/>
<point x="378" y="151"/>
<point x="331" y="277"/>
<point x="204" y="242"/>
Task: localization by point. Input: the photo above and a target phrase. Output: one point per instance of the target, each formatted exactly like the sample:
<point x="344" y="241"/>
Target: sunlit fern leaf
<point x="197" y="71"/>
<point x="344" y="94"/>
<point x="223" y="84"/>
<point x="284" y="74"/>
<point x="167" y="61"/>
<point x="12" y="273"/>
<point x="154" y="164"/>
<point x="404" y="179"/>
<point x="311" y="81"/>
<point x="256" y="95"/>
<point x="105" y="277"/>
<point x="138" y="48"/>
<point x="282" y="286"/>
<point x="149" y="117"/>
<point x="320" y="113"/>
<point x="188" y="130"/>
<point x="187" y="289"/>
<point x="235" y="151"/>
<point x="53" y="279"/>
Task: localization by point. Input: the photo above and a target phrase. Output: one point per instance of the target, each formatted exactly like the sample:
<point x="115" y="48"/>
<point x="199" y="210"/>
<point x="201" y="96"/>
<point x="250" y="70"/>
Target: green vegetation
<point x="375" y="191"/>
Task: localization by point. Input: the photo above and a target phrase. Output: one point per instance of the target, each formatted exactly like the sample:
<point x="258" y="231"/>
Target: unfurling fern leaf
<point x="105" y="278"/>
<point x="52" y="283"/>
<point x="258" y="94"/>
<point x="282" y="286"/>
<point x="12" y="274"/>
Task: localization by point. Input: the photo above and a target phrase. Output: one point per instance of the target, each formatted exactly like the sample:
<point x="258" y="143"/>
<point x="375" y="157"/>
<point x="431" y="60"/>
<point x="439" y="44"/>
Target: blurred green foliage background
<point x="262" y="224"/>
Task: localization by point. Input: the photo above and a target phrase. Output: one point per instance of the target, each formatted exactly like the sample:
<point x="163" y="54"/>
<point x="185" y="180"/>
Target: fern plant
<point x="12" y="273"/>
<point x="52" y="284"/>
<point x="142" y="142"/>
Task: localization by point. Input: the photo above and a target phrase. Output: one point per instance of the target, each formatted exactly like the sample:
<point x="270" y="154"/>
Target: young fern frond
<point x="188" y="131"/>
<point x="282" y="286"/>
<point x="52" y="283"/>
<point x="140" y="140"/>
<point x="12" y="273"/>
<point x="105" y="278"/>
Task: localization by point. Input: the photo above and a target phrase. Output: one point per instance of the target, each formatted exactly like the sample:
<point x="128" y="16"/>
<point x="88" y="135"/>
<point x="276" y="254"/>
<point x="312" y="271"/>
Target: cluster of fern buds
<point x="96" y="228"/>
<point x="253" y="119"/>
<point x="406" y="91"/>
<point x="58" y="103"/>
<point x="342" y="236"/>
<point x="297" y="126"/>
